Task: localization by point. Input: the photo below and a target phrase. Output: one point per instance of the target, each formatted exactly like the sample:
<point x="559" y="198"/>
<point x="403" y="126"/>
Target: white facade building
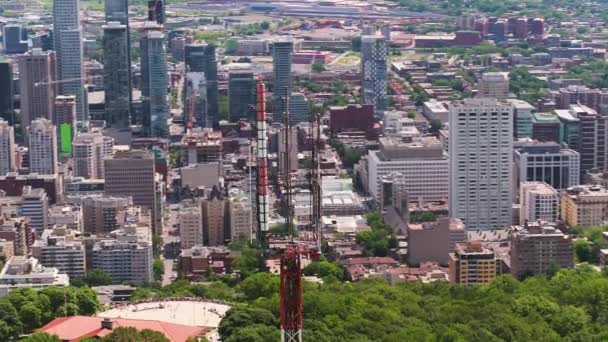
<point x="191" y="227"/>
<point x="494" y="85"/>
<point x="421" y="163"/>
<point x="481" y="158"/>
<point x="23" y="272"/>
<point x="61" y="248"/>
<point x="89" y="151"/>
<point x="42" y="139"/>
<point x="538" y="202"/>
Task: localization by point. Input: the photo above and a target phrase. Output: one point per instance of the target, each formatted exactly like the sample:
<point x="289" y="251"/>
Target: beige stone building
<point x="585" y="205"/>
<point x="191" y="227"/>
<point x="214" y="219"/>
<point x="472" y="264"/>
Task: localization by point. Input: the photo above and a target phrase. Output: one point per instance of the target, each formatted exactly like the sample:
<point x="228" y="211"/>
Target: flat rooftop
<point x="193" y="313"/>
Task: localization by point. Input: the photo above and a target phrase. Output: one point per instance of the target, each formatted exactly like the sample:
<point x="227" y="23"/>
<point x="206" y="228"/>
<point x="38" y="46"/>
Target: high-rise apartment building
<point x="374" y="72"/>
<point x="241" y="95"/>
<point x="240" y="216"/>
<point x="42" y="143"/>
<point x="59" y="247"/>
<point x="64" y="119"/>
<point x="522" y="115"/>
<point x="7" y="148"/>
<point x="214" y="219"/>
<point x="7" y="91"/>
<point x="117" y="10"/>
<point x="434" y="241"/>
<point x="100" y="213"/>
<point x="203" y="58"/>
<point x="156" y="11"/>
<point x="126" y="257"/>
<point x="89" y="151"/>
<point x="472" y="264"/>
<point x="37" y="92"/>
<point x="538" y="202"/>
<point x="536" y="247"/>
<point x="546" y="162"/>
<point x="282" y="54"/>
<point x="299" y="109"/>
<point x="13" y="39"/>
<point x="117" y="75"/>
<point x="585" y="205"/>
<point x="593" y="143"/>
<point x="418" y="165"/>
<point x="481" y="158"/>
<point x="196" y="99"/>
<point x="154" y="84"/>
<point x="131" y="173"/>
<point x="494" y="85"/>
<point x="191" y="227"/>
<point x="67" y="34"/>
<point x="34" y="206"/>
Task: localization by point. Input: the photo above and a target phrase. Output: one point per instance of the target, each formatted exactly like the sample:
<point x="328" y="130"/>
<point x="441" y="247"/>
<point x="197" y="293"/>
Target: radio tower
<point x="291" y="271"/>
<point x="262" y="159"/>
<point x="315" y="180"/>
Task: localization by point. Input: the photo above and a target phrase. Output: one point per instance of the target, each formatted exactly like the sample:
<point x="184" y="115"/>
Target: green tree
<point x="10" y="317"/>
<point x="41" y="337"/>
<point x="264" y="25"/>
<point x="122" y="334"/>
<point x="231" y="46"/>
<point x="31" y="316"/>
<point x="582" y="250"/>
<point x="259" y="285"/>
<point x="94" y="277"/>
<point x="435" y="126"/>
<point x="318" y="67"/>
<point x="158" y="268"/>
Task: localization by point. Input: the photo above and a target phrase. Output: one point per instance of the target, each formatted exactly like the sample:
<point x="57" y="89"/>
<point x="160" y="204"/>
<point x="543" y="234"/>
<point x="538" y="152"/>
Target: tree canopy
<point x="571" y="306"/>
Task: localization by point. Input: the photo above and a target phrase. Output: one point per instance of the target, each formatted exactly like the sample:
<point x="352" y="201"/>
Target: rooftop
<point x="75" y="327"/>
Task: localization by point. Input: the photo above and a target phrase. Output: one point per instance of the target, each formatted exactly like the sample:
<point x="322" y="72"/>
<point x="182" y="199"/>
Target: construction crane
<point x="66" y="80"/>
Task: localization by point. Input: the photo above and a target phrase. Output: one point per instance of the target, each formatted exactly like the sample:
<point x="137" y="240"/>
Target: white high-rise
<point x="42" y="139"/>
<point x="89" y="151"/>
<point x="67" y="35"/>
<point x="481" y="158"/>
<point x="539" y="201"/>
<point x="7" y="148"/>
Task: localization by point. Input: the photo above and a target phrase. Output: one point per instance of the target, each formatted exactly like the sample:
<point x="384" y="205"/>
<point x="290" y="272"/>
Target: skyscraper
<point x="89" y="152"/>
<point x="7" y="110"/>
<point x="214" y="218"/>
<point x="241" y="95"/>
<point x="481" y="158"/>
<point x="117" y="72"/>
<point x="7" y="148"/>
<point x="494" y="85"/>
<point x="36" y="73"/>
<point x="67" y="33"/>
<point x="282" y="53"/>
<point x="202" y="58"/>
<point x="156" y="11"/>
<point x="42" y="140"/>
<point x="64" y="118"/>
<point x="13" y="40"/>
<point x="131" y="173"/>
<point x="117" y="10"/>
<point x="374" y="72"/>
<point x="196" y="99"/>
<point x="154" y="84"/>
